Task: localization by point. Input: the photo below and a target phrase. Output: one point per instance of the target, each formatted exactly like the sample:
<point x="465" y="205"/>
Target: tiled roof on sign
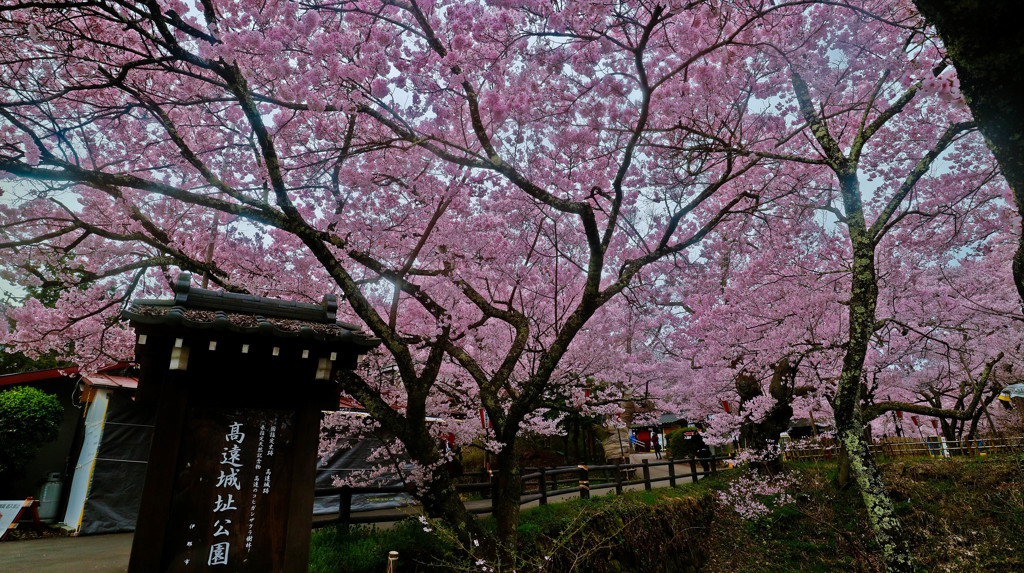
<point x="196" y="308"/>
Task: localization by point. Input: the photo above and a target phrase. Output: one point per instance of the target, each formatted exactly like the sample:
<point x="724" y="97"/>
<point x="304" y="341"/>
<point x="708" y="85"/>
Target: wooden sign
<point x="238" y="383"/>
<point x="231" y="489"/>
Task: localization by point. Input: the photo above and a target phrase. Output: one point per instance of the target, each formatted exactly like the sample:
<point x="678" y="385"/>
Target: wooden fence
<point x="539" y="485"/>
<point x="893" y="448"/>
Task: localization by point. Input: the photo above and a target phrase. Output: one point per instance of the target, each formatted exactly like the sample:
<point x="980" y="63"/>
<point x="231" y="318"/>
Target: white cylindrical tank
<point x="49" y="497"/>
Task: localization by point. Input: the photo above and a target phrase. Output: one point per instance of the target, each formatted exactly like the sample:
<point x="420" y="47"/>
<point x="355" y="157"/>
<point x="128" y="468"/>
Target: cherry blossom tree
<point x="867" y="110"/>
<point x="481" y="182"/>
<point x="494" y="188"/>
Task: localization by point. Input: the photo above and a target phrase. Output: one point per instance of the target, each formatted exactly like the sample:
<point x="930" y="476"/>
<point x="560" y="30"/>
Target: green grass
<point x="362" y="548"/>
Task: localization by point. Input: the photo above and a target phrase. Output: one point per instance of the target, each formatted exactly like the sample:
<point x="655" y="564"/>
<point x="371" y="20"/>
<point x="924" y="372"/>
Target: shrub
<point x="29" y="418"/>
<point x="617" y="534"/>
<point x="680" y="446"/>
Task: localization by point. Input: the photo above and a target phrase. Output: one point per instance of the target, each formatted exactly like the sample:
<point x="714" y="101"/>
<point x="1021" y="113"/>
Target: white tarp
<point x="1012" y="391"/>
<point x="95" y="413"/>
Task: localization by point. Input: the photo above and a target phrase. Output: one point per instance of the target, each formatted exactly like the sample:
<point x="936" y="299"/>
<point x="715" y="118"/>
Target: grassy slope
<point x="961" y="515"/>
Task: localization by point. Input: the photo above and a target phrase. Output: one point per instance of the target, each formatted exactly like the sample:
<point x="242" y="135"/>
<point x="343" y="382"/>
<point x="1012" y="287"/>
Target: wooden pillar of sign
<point x="230" y="481"/>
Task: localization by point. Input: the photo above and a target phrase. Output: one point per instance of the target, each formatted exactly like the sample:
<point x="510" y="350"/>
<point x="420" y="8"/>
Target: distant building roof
<point x="49" y="374"/>
<point x="197" y="308"/>
<point x="666" y="419"/>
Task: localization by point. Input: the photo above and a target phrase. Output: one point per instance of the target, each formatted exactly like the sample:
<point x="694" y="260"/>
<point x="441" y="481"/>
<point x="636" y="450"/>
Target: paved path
<point x="86" y="554"/>
<point x="109" y="553"/>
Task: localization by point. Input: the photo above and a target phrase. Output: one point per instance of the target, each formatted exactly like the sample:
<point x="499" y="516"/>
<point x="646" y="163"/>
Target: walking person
<point x="656" y="443"/>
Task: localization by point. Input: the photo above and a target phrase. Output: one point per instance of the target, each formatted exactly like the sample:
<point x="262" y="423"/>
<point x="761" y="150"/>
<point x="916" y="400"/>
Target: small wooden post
<point x="554" y="482"/>
<point x="392" y="561"/>
<point x="543" y="486"/>
<point x="618" y="478"/>
<point x="494" y="490"/>
<point x="693" y="470"/>
<point x="672" y="472"/>
<point x="584" y="482"/>
<point x="647" y="475"/>
<point x="714" y="464"/>
<point x="345" y="507"/>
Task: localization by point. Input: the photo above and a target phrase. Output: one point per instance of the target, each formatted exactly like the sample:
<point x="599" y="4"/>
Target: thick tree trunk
<point x="758" y="435"/>
<point x="441" y="500"/>
<point x="881" y="512"/>
<point x="982" y="39"/>
<point x="439" y="496"/>
<point x="862" y="467"/>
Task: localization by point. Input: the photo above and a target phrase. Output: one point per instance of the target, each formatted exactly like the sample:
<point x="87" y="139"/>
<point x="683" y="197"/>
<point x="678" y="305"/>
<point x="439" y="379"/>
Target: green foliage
<point x="641" y="531"/>
<point x="28" y="418"/>
<point x="14" y="362"/>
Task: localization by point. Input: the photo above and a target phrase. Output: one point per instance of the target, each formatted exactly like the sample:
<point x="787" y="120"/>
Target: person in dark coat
<point x="703" y="453"/>
<point x="656" y="444"/>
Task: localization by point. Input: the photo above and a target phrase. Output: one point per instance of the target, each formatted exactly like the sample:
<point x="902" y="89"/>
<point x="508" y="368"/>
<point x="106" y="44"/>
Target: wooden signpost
<point x="239" y="382"/>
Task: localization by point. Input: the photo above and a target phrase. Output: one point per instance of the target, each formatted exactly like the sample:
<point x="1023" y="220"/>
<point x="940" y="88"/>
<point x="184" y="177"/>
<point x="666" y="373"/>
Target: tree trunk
<point x="439" y="496"/>
<point x="982" y="39"/>
<point x="506" y="505"/>
<point x="758" y="435"/>
<point x="850" y="431"/>
<point x="950" y="429"/>
<point x="847" y="405"/>
<point x="881" y="512"/>
<point x="441" y="500"/>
